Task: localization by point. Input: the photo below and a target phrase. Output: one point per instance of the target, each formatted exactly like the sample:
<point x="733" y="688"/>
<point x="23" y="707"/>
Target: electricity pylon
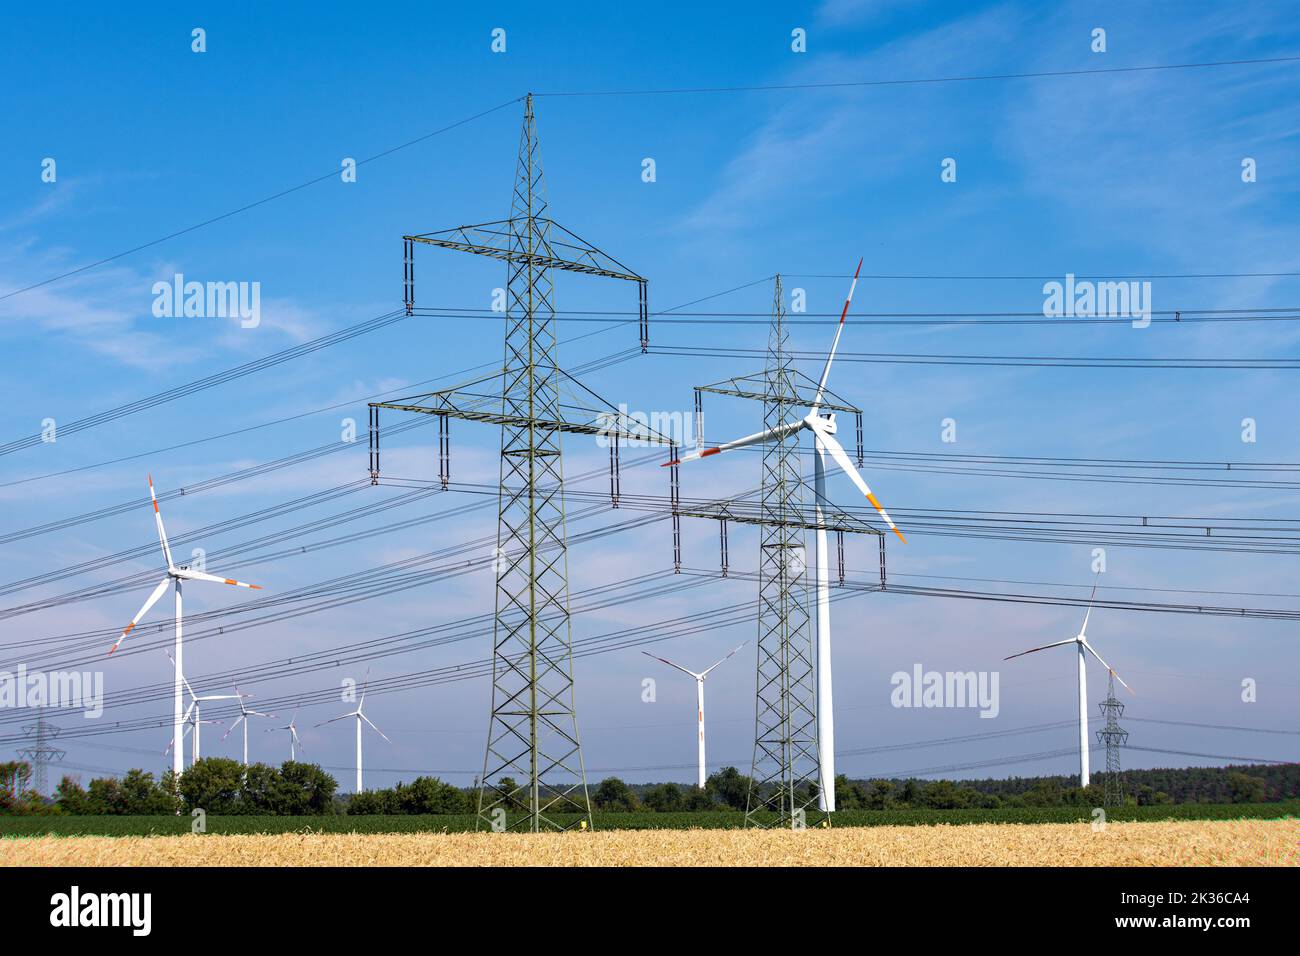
<point x="533" y="729"/>
<point x="785" y="762"/>
<point x="1114" y="737"/>
<point x="784" y="772"/>
<point x="40" y="752"/>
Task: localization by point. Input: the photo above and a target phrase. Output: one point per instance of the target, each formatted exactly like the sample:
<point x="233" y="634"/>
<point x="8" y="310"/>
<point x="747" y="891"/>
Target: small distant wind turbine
<point x="293" y="735"/>
<point x="192" y="722"/>
<point x="699" y="693"/>
<point x="193" y="715"/>
<point x="1081" y="643"/>
<point x="244" y="714"/>
<point x="823" y="429"/>
<point x="360" y="717"/>
<point x="175" y="575"/>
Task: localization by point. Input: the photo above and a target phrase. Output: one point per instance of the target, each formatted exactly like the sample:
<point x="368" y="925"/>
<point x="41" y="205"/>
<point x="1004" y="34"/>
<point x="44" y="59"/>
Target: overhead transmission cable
<point x="331" y="175"/>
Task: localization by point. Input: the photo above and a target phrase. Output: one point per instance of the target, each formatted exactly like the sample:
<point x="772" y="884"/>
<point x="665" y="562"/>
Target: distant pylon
<point x="40" y="753"/>
<point x="785" y="765"/>
<point x="1114" y="737"/>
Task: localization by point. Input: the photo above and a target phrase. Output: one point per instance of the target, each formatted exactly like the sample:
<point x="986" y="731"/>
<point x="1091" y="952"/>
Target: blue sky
<point x="1103" y="175"/>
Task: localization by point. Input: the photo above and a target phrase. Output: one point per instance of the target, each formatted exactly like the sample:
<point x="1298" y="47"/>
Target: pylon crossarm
<point x="599" y="418"/>
<point x="800" y="517"/>
<point x="802" y="391"/>
<point x="499" y="240"/>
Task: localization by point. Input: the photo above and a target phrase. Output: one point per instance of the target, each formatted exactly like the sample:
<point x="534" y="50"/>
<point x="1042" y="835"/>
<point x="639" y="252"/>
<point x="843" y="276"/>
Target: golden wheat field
<point x="1197" y="843"/>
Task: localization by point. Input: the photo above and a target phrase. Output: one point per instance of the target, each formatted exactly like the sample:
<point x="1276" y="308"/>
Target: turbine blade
<point x="1034" y="650"/>
<point x="183" y="678"/>
<point x="361" y="703"/>
<point x="184" y="733"/>
<point x="1083" y="631"/>
<point x="191" y="575"/>
<point x="664" y="660"/>
<point x="152" y="600"/>
<point x="373" y="727"/>
<point x="232" y="727"/>
<point x="780" y="431"/>
<point x="830" y="357"/>
<point x="1094" y="653"/>
<point x="727" y="658"/>
<point x="162" y="535"/>
<point x="335" y="719"/>
<point x="842" y="459"/>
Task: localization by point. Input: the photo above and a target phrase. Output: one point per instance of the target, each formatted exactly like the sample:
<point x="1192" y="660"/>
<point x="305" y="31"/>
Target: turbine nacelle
<point x="824" y="423"/>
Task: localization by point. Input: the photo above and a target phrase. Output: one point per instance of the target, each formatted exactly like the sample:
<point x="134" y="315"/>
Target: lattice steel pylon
<point x="1114" y="737"/>
<point x="533" y="729"/>
<point x="784" y="771"/>
<point x="40" y="752"/>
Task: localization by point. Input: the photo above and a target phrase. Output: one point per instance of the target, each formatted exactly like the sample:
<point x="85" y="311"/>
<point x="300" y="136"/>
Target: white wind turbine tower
<point x="294" y="740"/>
<point x="195" y="718"/>
<point x="175" y="575"/>
<point x="360" y="717"/>
<point x="1084" y="648"/>
<point x="823" y="430"/>
<point x="699" y="692"/>
<point x="244" y="714"/>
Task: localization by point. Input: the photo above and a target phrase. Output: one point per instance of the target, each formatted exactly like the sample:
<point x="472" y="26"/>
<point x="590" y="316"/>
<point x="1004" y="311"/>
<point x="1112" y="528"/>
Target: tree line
<point x="217" y="785"/>
<point x="222" y="786"/>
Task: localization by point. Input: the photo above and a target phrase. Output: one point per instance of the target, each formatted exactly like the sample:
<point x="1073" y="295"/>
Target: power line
<point x="917" y="81"/>
<point x="210" y="381"/>
<point x="1187" y="723"/>
<point x="252" y="205"/>
<point x="254" y="471"/>
<point x="1129" y="277"/>
<point x="1188" y="753"/>
<point x="1039" y="599"/>
<point x="998" y="361"/>
<point x="198" y="385"/>
<point x="951" y="319"/>
<point x="1109" y="587"/>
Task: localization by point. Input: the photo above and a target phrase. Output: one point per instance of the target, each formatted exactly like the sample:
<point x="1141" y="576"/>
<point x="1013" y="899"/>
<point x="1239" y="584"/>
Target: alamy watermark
<point x="636" y="428"/>
<point x="208" y="300"/>
<point x="133" y="911"/>
<point x="83" y="690"/>
<point x="922" y="688"/>
<point x="1084" y="298"/>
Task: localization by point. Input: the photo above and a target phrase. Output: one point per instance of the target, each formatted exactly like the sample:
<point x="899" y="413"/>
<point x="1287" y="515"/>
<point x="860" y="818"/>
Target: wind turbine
<point x="192" y="722"/>
<point x="244" y="714"/>
<point x="293" y="735"/>
<point x="194" y="709"/>
<point x="823" y="429"/>
<point x="175" y="575"/>
<point x="1082" y="645"/>
<point x="360" y="717"/>
<point x="699" y="693"/>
